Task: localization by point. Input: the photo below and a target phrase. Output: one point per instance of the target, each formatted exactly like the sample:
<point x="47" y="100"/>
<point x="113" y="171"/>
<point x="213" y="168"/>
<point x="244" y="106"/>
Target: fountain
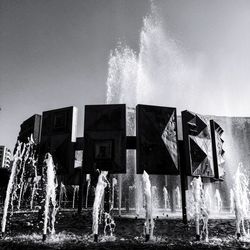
<point x="142" y="77"/>
<point x="35" y="185"/>
<point x="17" y="160"/>
<point x="24" y="153"/>
<point x="75" y="193"/>
<point x="23" y="170"/>
<point x="155" y="198"/>
<point x="99" y="196"/>
<point x="218" y="201"/>
<point x="241" y="200"/>
<point x="208" y="198"/>
<point x="24" y="173"/>
<point x="114" y="183"/>
<point x="198" y="208"/>
<point x="50" y="206"/>
<point x="149" y="222"/>
<point x="109" y="224"/>
<point x="178" y="197"/>
<point x="231" y="200"/>
<point x="63" y="195"/>
<point x="88" y="180"/>
<point x="166" y="198"/>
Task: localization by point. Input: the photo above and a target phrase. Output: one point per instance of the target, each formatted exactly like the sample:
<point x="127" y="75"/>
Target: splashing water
<point x="109" y="224"/>
<point x="149" y="222"/>
<point x="26" y="158"/>
<point x="208" y="198"/>
<point x="24" y="152"/>
<point x="17" y="160"/>
<point x="88" y="179"/>
<point x="114" y="183"/>
<point x="145" y="76"/>
<point x="99" y="195"/>
<point x="198" y="208"/>
<point x="21" y="185"/>
<point x="166" y="198"/>
<point x="36" y="180"/>
<point x="241" y="199"/>
<point x="158" y="66"/>
<point x="50" y="207"/>
<point x="155" y="197"/>
<point x="75" y="192"/>
<point x="34" y="191"/>
<point x="218" y="201"/>
<point x="21" y="182"/>
<point x="121" y="82"/>
<point x="63" y="195"/>
<point x="178" y="197"/>
<point x="196" y="190"/>
<point x="231" y="200"/>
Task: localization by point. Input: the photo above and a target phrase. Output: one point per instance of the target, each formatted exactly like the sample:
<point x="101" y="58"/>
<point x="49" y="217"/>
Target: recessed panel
<point x="105" y="138"/>
<point x="57" y="137"/>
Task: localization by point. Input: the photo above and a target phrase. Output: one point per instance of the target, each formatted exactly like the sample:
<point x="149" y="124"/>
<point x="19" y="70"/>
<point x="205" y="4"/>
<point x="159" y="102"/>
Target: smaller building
<point x="5" y="157"/>
<point x="30" y="126"/>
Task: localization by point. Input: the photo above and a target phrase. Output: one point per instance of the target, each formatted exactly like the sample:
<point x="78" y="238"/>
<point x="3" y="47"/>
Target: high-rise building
<point x="5" y="157"/>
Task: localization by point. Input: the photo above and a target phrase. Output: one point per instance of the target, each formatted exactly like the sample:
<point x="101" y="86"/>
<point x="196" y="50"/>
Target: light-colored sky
<point x="54" y="53"/>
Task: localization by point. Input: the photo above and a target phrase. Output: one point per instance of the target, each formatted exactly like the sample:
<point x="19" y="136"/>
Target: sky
<point x="55" y="53"/>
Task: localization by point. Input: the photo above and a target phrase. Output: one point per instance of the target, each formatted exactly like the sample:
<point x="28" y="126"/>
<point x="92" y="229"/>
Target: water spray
<point x="99" y="195"/>
<point x="50" y="198"/>
<point x="200" y="203"/>
<point x="88" y="179"/>
<point x="241" y="200"/>
<point x="149" y="222"/>
<point x="21" y="151"/>
<point x="75" y="191"/>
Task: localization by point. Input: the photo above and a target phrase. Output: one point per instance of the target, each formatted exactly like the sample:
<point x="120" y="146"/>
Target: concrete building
<point x="5" y="157"/>
<point x="30" y="126"/>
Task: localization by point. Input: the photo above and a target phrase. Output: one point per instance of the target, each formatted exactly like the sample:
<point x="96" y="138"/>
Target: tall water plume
<point x="149" y="222"/>
<point x="75" y="194"/>
<point x="24" y="155"/>
<point x="241" y="199"/>
<point x="99" y="196"/>
<point x="198" y="207"/>
<point x="16" y="161"/>
<point x="50" y="206"/>
<point x="158" y="73"/>
<point x="122" y="74"/>
<point x="155" y="74"/>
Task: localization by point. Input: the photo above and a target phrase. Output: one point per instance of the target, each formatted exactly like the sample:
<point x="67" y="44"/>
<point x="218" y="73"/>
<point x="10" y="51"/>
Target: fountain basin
<point x="74" y="232"/>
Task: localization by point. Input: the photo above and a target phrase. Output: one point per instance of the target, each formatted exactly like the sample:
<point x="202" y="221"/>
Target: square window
<point x="103" y="150"/>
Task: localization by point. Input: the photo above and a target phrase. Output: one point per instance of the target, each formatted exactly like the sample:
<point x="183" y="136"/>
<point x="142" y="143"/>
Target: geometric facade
<point x="157" y="148"/>
<point x="198" y="145"/>
<point x="105" y="138"/>
<point x="58" y="136"/>
<point x="218" y="152"/>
